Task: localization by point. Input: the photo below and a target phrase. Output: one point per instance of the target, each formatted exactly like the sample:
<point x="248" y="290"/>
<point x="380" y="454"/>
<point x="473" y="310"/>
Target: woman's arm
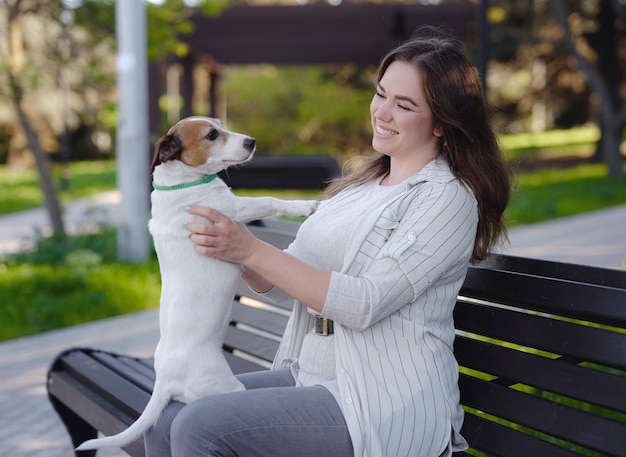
<point x="255" y="281"/>
<point x="265" y="266"/>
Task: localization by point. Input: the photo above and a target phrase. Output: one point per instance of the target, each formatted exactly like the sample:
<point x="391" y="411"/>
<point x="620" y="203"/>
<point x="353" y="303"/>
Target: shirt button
<point x="349" y="401"/>
<point x="411" y="236"/>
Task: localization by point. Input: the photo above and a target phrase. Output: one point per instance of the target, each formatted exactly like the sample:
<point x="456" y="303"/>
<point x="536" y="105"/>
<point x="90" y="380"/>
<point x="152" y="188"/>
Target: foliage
<point x="37" y="298"/>
<point x="302" y="110"/>
<point x="533" y="83"/>
<point x="168" y="21"/>
<point x="65" y="281"/>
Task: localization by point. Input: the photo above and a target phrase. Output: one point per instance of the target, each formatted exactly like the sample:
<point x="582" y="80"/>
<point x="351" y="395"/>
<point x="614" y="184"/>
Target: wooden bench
<point x="541" y="345"/>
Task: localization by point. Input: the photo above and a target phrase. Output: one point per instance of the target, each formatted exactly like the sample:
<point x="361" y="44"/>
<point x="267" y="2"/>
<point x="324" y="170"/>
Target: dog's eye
<point x="213" y="134"/>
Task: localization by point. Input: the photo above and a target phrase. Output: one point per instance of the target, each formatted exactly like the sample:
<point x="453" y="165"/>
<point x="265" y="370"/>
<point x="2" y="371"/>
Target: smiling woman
<point x="365" y="366"/>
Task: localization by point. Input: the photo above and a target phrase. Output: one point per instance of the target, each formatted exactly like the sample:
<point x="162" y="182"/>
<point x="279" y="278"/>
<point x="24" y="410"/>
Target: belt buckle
<point x="323" y="326"/>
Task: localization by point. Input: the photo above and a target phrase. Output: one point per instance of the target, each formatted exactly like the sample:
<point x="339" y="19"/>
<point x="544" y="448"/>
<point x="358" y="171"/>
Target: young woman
<point x="383" y="258"/>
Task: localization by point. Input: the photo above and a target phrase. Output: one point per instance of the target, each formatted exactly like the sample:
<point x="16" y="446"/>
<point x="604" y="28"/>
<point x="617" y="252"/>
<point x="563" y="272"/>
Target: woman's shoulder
<point x="440" y="185"/>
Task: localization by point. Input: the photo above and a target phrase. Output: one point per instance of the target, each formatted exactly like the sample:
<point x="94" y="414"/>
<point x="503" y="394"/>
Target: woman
<point x="382" y="259"/>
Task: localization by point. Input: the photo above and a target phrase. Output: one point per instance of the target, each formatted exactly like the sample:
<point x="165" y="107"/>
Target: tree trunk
<point x="611" y="122"/>
<point x="604" y="43"/>
<point x="43" y="167"/>
<point x="16" y="65"/>
<point x="610" y="148"/>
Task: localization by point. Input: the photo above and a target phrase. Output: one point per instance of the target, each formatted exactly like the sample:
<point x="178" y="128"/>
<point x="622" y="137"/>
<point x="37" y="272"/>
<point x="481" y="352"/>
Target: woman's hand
<point x="265" y="265"/>
<point x="222" y="237"/>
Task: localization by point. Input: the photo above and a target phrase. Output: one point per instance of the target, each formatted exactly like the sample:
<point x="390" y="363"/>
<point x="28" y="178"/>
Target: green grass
<point x="72" y="280"/>
<point x="553" y="141"/>
<point x="549" y="193"/>
<point x="37" y="298"/>
<point x="19" y="190"/>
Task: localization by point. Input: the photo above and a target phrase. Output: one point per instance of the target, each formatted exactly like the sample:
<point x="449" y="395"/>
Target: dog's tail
<point x="150" y="415"/>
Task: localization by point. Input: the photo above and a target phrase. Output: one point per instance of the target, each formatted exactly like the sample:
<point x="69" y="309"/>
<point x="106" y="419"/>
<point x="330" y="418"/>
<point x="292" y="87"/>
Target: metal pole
<point x="132" y="130"/>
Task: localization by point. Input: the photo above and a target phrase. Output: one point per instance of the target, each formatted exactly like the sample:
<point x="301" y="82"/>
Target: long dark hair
<point x="454" y="93"/>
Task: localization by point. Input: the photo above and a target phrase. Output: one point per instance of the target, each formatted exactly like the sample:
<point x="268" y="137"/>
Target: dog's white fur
<point x="197" y="291"/>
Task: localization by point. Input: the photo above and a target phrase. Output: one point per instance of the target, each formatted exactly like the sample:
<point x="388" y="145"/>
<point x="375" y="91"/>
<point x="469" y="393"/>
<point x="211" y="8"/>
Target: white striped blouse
<point x="392" y="304"/>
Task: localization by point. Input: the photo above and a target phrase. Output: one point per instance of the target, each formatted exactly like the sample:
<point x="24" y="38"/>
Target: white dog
<point x="197" y="291"/>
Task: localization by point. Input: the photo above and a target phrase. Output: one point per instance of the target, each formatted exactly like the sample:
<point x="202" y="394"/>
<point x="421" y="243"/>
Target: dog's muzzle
<point x="324" y="326"/>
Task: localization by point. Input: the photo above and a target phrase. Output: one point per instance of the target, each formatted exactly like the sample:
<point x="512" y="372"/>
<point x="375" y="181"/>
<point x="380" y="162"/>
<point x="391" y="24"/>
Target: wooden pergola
<point x="319" y="33"/>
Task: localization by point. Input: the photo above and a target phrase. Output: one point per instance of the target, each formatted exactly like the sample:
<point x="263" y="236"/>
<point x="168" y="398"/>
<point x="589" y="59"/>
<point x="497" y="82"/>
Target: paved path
<point x="597" y="238"/>
<point x="30" y="428"/>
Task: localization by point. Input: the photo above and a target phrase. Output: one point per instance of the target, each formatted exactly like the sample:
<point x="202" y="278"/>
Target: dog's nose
<point x="249" y="144"/>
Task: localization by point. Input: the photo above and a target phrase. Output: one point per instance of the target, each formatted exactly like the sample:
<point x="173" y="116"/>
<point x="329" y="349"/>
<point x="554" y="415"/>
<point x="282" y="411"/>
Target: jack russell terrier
<point x="197" y="291"/>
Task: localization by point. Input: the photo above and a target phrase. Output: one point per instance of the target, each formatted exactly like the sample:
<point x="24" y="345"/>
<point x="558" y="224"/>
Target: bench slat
<point x="278" y="233"/>
<point x="500" y="441"/>
<point x="242" y="290"/>
<point x="239" y="365"/>
<point x="250" y="343"/>
<point x="265" y="320"/>
<point x="601" y="304"/>
<point x="560" y="421"/>
<point x="559" y="376"/>
<point x="93" y="409"/>
<point x="539" y="332"/>
<point x="130" y="368"/>
<point x="130" y="398"/>
<point x="557" y="270"/>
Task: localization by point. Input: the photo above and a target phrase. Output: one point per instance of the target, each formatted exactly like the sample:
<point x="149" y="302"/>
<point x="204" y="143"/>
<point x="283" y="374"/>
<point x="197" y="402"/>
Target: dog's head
<point x="203" y="142"/>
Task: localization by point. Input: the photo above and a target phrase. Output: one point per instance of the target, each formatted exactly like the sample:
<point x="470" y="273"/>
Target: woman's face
<point x="402" y="121"/>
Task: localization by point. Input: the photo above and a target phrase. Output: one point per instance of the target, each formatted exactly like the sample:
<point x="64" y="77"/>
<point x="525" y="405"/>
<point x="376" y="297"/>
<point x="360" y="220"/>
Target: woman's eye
<point x="378" y="94"/>
<point x="213" y="134"/>
<point x="404" y="108"/>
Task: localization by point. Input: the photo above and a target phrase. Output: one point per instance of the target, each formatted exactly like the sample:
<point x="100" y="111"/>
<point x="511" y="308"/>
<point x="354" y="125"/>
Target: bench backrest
<point x="541" y="348"/>
<point x="283" y="172"/>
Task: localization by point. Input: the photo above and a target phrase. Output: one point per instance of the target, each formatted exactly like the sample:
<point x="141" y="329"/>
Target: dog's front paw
<point x="302" y="207"/>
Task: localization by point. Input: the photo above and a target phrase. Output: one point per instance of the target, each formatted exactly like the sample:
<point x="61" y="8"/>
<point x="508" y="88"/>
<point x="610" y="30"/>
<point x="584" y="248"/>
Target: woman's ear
<point x="438" y="132"/>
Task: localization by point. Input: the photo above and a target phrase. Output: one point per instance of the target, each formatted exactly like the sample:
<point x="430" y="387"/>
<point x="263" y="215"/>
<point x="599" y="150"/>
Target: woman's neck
<point x="398" y="172"/>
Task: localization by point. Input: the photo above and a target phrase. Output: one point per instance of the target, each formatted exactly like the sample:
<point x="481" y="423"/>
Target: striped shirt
<point x="392" y="301"/>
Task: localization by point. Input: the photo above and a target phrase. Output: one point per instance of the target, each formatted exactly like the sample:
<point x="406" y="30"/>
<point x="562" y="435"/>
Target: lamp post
<point x="132" y="145"/>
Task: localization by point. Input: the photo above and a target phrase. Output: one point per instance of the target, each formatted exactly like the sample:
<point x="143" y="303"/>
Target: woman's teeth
<point x="385" y="132"/>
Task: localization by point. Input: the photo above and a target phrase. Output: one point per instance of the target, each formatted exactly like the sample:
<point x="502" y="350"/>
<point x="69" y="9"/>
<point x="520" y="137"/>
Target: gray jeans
<point x="272" y="418"/>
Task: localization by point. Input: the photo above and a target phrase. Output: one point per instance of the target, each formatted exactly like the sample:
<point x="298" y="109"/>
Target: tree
<point x="594" y="41"/>
<point x="31" y="64"/>
<point x="21" y="74"/>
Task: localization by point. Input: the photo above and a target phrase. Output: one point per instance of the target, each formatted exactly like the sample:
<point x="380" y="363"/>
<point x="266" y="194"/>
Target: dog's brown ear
<point x="169" y="147"/>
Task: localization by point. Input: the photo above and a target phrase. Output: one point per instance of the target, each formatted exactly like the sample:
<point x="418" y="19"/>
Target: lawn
<point x="549" y="193"/>
<point x="19" y="189"/>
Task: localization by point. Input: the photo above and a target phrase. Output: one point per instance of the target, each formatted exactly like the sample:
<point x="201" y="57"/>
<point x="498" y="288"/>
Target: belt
<point x="323" y="326"/>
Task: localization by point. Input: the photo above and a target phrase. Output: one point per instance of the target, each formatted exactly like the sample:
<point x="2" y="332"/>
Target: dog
<point x="197" y="291"/>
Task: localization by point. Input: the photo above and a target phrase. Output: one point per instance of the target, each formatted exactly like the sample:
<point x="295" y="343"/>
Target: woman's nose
<point x="381" y="111"/>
